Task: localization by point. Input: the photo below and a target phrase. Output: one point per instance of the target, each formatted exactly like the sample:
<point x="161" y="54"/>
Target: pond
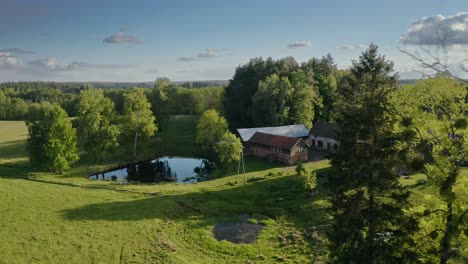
<point x="180" y="169"/>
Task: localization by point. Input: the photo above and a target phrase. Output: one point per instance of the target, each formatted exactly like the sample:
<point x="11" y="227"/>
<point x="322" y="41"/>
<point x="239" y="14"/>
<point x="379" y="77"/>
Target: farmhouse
<point x="323" y="135"/>
<point x="289" y="150"/>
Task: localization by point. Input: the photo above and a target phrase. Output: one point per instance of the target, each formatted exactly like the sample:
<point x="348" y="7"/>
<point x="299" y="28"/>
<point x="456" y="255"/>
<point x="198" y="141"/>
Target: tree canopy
<point x="210" y="129"/>
<point x="52" y="140"/>
<point x="433" y="116"/>
<point x="137" y="114"/>
<point x="95" y="118"/>
<point x="229" y="149"/>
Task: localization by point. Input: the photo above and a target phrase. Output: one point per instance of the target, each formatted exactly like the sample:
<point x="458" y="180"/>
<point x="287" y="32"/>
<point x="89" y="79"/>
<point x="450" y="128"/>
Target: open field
<point x="70" y="219"/>
<point x="55" y="223"/>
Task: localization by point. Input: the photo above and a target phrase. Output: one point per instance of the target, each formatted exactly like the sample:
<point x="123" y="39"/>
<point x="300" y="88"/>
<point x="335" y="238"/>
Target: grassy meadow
<point x="49" y="218"/>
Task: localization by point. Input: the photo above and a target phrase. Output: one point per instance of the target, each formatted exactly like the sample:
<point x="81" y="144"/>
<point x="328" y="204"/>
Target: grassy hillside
<point x="162" y="223"/>
<point x="69" y="219"/>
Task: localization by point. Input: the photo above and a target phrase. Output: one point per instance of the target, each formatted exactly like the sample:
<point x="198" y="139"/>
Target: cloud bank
<point x="437" y="30"/>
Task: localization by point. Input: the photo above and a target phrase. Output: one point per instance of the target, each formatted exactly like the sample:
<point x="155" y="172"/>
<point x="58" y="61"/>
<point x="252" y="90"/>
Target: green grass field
<point x="71" y="219"/>
<point x="50" y="218"/>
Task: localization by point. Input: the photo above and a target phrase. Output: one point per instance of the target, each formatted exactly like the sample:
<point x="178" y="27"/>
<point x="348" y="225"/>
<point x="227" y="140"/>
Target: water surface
<point x="181" y="169"/>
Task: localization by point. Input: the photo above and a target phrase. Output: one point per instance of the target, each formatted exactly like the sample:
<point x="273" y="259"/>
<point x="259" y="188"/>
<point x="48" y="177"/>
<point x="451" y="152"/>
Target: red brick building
<point x="289" y="150"/>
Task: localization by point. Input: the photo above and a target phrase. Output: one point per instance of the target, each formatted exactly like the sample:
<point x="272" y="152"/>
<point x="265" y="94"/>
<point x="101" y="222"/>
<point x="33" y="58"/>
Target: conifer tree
<point x="367" y="201"/>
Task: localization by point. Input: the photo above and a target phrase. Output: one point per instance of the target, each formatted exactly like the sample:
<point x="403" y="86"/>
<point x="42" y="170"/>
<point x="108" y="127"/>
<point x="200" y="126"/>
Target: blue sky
<point x="196" y="40"/>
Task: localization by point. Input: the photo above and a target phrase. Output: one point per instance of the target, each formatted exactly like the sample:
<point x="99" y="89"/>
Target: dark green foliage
<point x="285" y="101"/>
<point x="367" y="201"/>
<point x="52" y="141"/>
<point x="168" y="99"/>
<point x="243" y="86"/>
<point x="210" y="129"/>
<point x="96" y="123"/>
<point x="437" y="109"/>
<point x="326" y="77"/>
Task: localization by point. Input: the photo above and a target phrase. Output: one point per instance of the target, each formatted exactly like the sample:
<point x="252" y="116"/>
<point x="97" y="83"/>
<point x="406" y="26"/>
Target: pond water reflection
<point x="180" y="169"/>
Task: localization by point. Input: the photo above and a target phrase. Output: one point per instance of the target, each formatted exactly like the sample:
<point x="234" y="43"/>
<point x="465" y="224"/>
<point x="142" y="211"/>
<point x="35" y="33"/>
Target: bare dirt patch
<point x="241" y="232"/>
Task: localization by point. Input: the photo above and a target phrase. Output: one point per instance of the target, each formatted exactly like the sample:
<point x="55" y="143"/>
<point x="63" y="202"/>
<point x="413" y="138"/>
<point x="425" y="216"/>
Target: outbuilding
<point x="323" y="135"/>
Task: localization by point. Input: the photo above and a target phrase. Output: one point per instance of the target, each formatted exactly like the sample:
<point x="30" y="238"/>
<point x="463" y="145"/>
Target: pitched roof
<point x="274" y="140"/>
<point x="297" y="131"/>
<point x="325" y="129"/>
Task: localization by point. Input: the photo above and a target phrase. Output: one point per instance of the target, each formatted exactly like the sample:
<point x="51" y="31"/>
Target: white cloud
<point x="48" y="64"/>
<point x="186" y="59"/>
<point x="8" y="62"/>
<point x="299" y="44"/>
<point x="208" y="53"/>
<point x="121" y="37"/>
<point x="354" y="47"/>
<point x="16" y="50"/>
<point x="437" y="30"/>
<point x="52" y="65"/>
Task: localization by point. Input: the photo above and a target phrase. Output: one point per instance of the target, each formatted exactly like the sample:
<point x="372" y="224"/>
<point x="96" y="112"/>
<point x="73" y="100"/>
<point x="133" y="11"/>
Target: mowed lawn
<point x="102" y="222"/>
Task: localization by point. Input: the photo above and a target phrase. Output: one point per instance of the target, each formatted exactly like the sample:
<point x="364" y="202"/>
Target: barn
<point x="290" y="150"/>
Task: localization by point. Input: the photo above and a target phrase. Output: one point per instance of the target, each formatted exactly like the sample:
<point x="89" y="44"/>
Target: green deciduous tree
<point x="325" y="74"/>
<point x="138" y="118"/>
<point x="271" y="103"/>
<point x="96" y="114"/>
<point x="210" y="128"/>
<point x="285" y="101"/>
<point x="367" y="200"/>
<point x="229" y="149"/>
<point x="52" y="140"/>
<point x="433" y="112"/>
<point x="245" y="83"/>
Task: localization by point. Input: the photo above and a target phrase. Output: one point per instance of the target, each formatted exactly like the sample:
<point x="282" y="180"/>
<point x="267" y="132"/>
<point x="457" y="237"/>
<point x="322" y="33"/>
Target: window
<point x="319" y="144"/>
<point x="328" y="146"/>
<point x="335" y="146"/>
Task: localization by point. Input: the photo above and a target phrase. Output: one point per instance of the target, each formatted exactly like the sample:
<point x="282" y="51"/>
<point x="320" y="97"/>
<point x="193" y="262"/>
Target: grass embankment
<point x="162" y="223"/>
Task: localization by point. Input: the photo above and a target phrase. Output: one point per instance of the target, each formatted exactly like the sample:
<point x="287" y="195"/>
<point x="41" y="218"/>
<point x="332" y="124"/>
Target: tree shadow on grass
<point x="13" y="152"/>
<point x="280" y="198"/>
<point x="271" y="198"/>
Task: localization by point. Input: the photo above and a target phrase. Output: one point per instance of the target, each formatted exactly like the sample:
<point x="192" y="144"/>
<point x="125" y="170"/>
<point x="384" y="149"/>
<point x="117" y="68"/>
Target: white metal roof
<point x="287" y="131"/>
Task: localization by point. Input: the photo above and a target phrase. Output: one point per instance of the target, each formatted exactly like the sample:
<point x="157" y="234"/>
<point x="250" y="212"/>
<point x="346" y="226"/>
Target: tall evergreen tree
<point x="367" y="201"/>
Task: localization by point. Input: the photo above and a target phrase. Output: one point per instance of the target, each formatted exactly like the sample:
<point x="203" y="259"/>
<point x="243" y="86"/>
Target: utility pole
<point x="135" y="146"/>
<point x="243" y="167"/>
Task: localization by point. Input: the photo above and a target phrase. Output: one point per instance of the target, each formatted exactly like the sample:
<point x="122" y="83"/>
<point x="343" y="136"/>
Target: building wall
<point x="314" y="143"/>
<point x="285" y="157"/>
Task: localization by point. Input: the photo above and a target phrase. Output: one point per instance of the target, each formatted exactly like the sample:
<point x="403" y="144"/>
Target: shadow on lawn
<point x="13" y="150"/>
<point x="270" y="198"/>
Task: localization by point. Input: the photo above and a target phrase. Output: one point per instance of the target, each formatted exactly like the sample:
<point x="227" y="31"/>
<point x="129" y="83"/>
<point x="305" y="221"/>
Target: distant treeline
<point x="75" y="87"/>
<point x="166" y="98"/>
